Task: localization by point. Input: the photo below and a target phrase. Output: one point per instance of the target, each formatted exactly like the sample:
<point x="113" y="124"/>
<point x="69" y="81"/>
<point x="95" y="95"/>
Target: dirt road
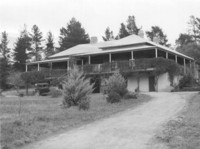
<point x="131" y="129"/>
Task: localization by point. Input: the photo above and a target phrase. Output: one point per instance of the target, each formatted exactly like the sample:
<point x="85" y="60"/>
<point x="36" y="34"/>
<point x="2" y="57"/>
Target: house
<point x="99" y="60"/>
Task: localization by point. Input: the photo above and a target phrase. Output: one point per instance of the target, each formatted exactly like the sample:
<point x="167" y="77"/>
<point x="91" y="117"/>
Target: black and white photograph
<point x="100" y="74"/>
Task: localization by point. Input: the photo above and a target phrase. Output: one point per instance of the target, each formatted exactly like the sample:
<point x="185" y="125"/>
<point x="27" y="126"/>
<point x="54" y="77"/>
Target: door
<point x="152" y="83"/>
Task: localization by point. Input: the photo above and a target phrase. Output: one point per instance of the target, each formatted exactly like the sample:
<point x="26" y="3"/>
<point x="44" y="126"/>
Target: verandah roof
<point x="105" y="47"/>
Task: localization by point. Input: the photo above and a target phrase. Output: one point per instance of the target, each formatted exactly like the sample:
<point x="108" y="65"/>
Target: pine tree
<point x="3" y="73"/>
<point x="22" y="45"/>
<point x="123" y="31"/>
<point x="108" y="35"/>
<point x="4" y="60"/>
<point x="131" y="26"/>
<point x="49" y="45"/>
<point x="73" y="35"/>
<point x="4" y="46"/>
<point x="194" y="28"/>
<point x="36" y="43"/>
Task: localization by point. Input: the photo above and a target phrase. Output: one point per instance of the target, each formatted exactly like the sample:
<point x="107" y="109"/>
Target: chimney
<point x="93" y="40"/>
<point x="141" y="33"/>
<point x="156" y="40"/>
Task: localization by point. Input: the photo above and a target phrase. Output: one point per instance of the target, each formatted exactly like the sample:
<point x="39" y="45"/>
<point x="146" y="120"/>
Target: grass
<point x="44" y="116"/>
<point x="184" y="131"/>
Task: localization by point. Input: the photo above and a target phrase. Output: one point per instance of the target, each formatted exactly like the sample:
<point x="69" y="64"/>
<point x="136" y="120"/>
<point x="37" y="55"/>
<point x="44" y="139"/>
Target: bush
<point x="116" y="83"/>
<point x="77" y="90"/>
<point x="54" y="92"/>
<point x="186" y="81"/>
<point x="130" y="95"/>
<point x="32" y="77"/>
<point x="84" y="104"/>
<point x="113" y="97"/>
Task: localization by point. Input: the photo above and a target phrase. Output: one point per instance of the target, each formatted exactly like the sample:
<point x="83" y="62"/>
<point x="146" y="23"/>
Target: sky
<point x="96" y="15"/>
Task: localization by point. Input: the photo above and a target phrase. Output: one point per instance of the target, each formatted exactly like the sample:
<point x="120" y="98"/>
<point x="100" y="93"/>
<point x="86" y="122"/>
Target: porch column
<point x="190" y="64"/>
<point x="110" y="58"/>
<point x="38" y="67"/>
<point x="82" y="62"/>
<point x="89" y="59"/>
<point x="156" y="52"/>
<point x="132" y="55"/>
<point x="176" y="58"/>
<point x="51" y="66"/>
<point x="26" y="67"/>
<point x="67" y="65"/>
<point x="167" y="55"/>
<point x="184" y="65"/>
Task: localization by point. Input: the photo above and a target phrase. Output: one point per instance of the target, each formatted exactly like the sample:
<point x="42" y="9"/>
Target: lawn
<point x="43" y="116"/>
<point x="184" y="131"/>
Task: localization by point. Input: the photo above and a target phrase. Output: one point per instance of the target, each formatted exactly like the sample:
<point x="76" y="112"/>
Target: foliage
<point x="189" y="43"/>
<point x="191" y="49"/>
<point x="116" y="83"/>
<point x="131" y="26"/>
<point x="32" y="77"/>
<point x="184" y="39"/>
<point x="4" y="46"/>
<point x="16" y="80"/>
<point x="54" y="92"/>
<point x="130" y="95"/>
<point x="157" y="32"/>
<point x="22" y="45"/>
<point x="194" y="28"/>
<point x="73" y="35"/>
<point x="186" y="81"/>
<point x="128" y="29"/>
<point x="113" y="97"/>
<point x="77" y="89"/>
<point x="49" y="45"/>
<point x="108" y="35"/>
<point x="3" y="73"/>
<point x="36" y="37"/>
<point x="123" y="31"/>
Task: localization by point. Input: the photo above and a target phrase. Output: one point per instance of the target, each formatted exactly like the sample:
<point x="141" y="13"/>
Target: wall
<point x="132" y="83"/>
<point x="164" y="83"/>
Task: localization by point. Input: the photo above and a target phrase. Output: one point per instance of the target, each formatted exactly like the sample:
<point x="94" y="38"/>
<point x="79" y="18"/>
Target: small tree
<point x="77" y="90"/>
<point x="32" y="77"/>
<point x="115" y="84"/>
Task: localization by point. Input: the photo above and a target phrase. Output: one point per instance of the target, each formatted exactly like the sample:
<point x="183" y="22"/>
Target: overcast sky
<point x="95" y="15"/>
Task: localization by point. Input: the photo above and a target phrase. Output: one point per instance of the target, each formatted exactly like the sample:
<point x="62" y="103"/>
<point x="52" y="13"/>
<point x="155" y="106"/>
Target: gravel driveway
<point x="131" y="129"/>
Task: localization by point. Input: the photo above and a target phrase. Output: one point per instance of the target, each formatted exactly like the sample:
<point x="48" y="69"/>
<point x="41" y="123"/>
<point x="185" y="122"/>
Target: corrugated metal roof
<point x="50" y="60"/>
<point x="103" y="47"/>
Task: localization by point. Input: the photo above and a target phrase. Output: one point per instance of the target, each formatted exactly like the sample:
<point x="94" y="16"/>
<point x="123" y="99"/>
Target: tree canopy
<point x="37" y="48"/>
<point x="72" y="35"/>
<point x="22" y="45"/>
<point x="189" y="43"/>
<point x="49" y="50"/>
<point x="128" y="29"/>
<point x="157" y="32"/>
<point x="108" y="35"/>
<point x="4" y="46"/>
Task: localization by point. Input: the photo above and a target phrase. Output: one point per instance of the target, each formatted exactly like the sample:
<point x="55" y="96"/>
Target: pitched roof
<point x="102" y="47"/>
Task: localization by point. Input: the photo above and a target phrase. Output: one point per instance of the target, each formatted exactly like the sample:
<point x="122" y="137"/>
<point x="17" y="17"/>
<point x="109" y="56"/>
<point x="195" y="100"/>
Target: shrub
<point x="130" y="95"/>
<point x="116" y="83"/>
<point x="186" y="81"/>
<point x="113" y="97"/>
<point x="77" y="90"/>
<point x="32" y="77"/>
<point x="54" y="92"/>
<point x="84" y="104"/>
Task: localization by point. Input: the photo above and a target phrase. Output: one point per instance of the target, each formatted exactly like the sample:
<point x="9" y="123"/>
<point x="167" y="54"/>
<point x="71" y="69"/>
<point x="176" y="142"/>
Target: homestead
<point x="133" y="56"/>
